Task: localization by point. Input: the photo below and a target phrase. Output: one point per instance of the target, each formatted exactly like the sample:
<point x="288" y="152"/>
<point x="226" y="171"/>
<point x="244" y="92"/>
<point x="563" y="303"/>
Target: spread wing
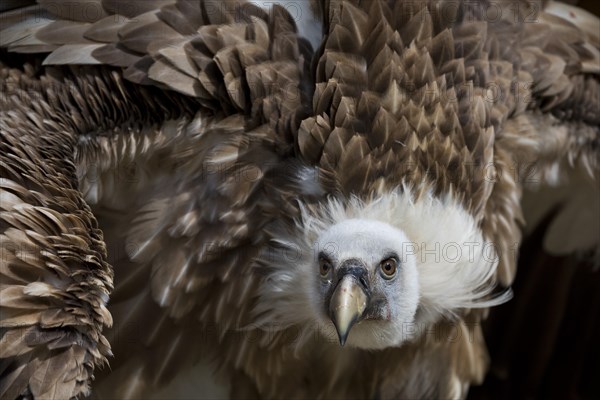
<point x="215" y="51"/>
<point x="55" y="279"/>
<point x="179" y="116"/>
<point x="558" y="126"/>
<point x="555" y="141"/>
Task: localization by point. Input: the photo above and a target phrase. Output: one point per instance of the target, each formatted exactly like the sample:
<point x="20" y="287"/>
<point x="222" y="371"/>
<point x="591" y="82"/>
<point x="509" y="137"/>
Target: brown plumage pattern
<point x="55" y="278"/>
<point x="169" y="141"/>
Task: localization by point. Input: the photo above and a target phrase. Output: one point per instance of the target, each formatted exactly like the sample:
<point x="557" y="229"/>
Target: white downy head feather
<point x="438" y="238"/>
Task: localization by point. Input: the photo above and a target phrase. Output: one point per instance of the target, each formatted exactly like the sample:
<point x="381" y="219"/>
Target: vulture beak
<point x="349" y="299"/>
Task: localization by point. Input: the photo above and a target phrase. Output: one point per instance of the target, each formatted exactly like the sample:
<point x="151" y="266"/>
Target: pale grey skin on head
<point x="368" y="282"/>
<point x="343" y="139"/>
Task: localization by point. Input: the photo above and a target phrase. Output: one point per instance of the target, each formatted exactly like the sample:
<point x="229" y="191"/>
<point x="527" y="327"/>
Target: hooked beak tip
<point x="347" y="305"/>
<point x="342" y="327"/>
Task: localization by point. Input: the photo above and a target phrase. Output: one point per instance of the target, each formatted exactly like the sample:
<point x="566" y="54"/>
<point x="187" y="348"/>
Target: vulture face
<point x="367" y="282"/>
<point x="376" y="274"/>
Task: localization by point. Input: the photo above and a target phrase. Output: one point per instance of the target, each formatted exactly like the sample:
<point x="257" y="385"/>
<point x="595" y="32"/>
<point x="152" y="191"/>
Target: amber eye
<point x="388" y="267"/>
<point x="324" y="266"/>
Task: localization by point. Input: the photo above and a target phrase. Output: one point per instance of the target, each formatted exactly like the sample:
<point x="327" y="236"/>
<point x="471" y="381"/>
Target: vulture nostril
<point x="363" y="281"/>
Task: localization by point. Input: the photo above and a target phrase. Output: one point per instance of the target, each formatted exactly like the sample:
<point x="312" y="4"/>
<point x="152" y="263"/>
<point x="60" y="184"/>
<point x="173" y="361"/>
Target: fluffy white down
<point x="455" y="265"/>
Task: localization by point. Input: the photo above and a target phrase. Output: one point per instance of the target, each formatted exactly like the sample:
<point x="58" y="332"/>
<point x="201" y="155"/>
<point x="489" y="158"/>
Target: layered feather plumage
<point x="197" y="129"/>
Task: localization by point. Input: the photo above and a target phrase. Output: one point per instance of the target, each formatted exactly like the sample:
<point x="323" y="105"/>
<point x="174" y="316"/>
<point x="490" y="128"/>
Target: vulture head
<point x="376" y="273"/>
<point x="367" y="281"/>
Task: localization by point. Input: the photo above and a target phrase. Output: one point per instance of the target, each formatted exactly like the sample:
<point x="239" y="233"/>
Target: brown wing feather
<point x="55" y="277"/>
<point x="206" y="236"/>
<point x="146" y="37"/>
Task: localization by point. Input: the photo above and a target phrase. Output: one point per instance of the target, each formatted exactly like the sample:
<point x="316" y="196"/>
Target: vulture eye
<point x="388" y="267"/>
<point x="324" y="266"/>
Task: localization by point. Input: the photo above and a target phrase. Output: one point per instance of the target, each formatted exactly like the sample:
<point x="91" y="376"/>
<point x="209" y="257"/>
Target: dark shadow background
<point x="544" y="344"/>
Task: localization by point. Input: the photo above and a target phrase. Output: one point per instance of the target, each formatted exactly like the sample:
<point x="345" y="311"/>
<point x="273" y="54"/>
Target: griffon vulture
<point x="322" y="212"/>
